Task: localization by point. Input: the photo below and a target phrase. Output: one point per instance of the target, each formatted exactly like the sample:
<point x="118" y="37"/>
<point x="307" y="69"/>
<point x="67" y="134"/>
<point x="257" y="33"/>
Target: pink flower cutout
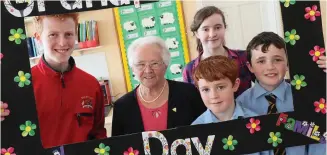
<point x="9" y="151"/>
<point x="253" y="125"/>
<point x="320" y="106"/>
<point x="1" y="56"/>
<point x="130" y="151"/>
<point x="316" y="52"/>
<point x="311" y="13"/>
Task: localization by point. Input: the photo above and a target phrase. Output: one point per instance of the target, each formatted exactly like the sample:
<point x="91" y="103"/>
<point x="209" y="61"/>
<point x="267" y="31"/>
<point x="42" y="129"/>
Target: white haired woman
<point x="157" y="103"/>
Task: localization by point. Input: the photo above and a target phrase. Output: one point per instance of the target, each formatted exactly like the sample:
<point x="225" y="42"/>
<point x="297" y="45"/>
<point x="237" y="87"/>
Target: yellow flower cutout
<point x="28" y="129"/>
<point x="16" y="35"/>
<point x="22" y="79"/>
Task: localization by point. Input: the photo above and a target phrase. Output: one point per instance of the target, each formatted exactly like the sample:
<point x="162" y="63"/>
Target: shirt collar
<point x="280" y="91"/>
<point x="238" y="111"/>
<point x="231" y="55"/>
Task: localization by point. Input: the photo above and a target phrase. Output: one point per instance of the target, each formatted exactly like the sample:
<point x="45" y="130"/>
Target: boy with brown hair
<point x="267" y="59"/>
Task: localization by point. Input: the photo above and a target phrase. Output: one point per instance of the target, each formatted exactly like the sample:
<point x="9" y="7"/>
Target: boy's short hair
<point x="39" y="19"/>
<point x="215" y="68"/>
<point x="265" y="39"/>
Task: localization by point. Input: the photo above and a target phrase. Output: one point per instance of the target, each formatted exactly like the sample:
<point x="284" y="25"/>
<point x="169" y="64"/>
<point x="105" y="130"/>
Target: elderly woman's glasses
<point x="152" y="65"/>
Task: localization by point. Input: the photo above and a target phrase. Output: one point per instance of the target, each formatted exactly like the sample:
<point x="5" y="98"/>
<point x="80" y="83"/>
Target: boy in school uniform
<point x="216" y="77"/>
<point x="267" y="59"/>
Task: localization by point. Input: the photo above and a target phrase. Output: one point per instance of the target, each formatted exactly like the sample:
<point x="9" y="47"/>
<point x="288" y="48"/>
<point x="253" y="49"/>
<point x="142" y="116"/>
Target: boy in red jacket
<point x="69" y="101"/>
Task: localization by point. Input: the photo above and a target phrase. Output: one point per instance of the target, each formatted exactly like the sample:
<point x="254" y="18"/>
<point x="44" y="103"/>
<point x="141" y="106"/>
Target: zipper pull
<point x="62" y="80"/>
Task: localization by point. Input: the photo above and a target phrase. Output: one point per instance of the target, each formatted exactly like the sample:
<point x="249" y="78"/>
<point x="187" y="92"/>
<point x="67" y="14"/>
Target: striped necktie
<point x="271" y="98"/>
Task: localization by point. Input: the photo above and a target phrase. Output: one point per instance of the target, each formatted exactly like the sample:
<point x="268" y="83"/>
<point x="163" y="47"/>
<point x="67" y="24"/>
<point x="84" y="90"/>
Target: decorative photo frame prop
<point x="164" y="19"/>
<point x="306" y="125"/>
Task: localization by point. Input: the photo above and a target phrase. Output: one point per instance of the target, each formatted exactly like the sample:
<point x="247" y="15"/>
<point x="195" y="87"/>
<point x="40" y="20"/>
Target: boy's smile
<point x="218" y="96"/>
<point x="269" y="67"/>
<point x="58" y="38"/>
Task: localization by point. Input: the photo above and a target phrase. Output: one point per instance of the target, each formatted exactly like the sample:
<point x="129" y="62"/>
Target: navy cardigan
<point x="184" y="97"/>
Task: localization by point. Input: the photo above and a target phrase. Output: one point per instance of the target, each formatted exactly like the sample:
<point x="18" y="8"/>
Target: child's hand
<point x="4" y="110"/>
<point x="322" y="63"/>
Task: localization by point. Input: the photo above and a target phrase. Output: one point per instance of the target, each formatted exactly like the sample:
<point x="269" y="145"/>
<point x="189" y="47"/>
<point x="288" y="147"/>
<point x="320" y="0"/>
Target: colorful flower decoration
<point x="316" y="133"/>
<point x="305" y="123"/>
<point x="22" y="79"/>
<point x="9" y="151"/>
<point x="229" y="143"/>
<point x="2" y="109"/>
<point x="102" y="150"/>
<point x="1" y="56"/>
<point x="288" y="2"/>
<point x="320" y="106"/>
<point x="253" y="125"/>
<point x="131" y="151"/>
<point x="275" y="138"/>
<point x="316" y="52"/>
<point x="17" y="35"/>
<point x="291" y="37"/>
<point x="28" y="129"/>
<point x="311" y="13"/>
<point x="298" y="82"/>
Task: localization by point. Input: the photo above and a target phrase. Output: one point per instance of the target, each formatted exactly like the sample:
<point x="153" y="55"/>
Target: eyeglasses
<point x="152" y="65"/>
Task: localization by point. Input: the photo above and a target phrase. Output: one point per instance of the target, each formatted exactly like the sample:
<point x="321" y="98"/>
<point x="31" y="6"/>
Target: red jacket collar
<point x="46" y="69"/>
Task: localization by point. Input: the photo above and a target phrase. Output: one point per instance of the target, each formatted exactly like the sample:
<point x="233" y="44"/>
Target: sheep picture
<point x="172" y="43"/>
<point x="167" y="18"/>
<point x="130" y="26"/>
<point x="148" y="22"/>
<point x="176" y="69"/>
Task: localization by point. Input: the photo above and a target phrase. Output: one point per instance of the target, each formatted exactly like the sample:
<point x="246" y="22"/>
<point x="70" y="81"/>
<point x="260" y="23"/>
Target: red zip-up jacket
<point x="70" y="105"/>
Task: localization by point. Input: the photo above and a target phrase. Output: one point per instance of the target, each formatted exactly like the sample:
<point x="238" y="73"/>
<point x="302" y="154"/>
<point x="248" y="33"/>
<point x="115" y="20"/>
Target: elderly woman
<point x="157" y="103"/>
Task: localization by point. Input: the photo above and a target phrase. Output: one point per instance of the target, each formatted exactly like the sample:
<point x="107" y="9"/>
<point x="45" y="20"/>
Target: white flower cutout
<point x="305" y="123"/>
<point x="316" y="133"/>
<point x="288" y="126"/>
<point x="312" y="124"/>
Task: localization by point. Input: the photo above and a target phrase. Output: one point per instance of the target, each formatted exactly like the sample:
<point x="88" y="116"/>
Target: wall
<point x="109" y="41"/>
<point x="191" y="7"/>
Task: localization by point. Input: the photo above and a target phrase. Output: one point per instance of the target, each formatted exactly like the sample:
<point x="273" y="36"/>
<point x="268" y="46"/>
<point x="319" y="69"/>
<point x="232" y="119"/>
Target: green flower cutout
<point x="298" y="82"/>
<point x="291" y="37"/>
<point x="102" y="150"/>
<point x="28" y="129"/>
<point x="16" y="35"/>
<point x="22" y="79"/>
<point x="229" y="143"/>
<point x="287" y="2"/>
<point x="275" y="138"/>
